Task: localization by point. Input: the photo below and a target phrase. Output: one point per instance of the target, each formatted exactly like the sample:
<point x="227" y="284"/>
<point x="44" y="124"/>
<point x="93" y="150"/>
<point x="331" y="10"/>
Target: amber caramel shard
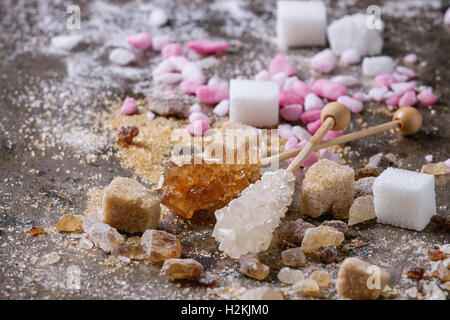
<point x="69" y="223"/>
<point x="35" y="231"/>
<point x="252" y="267"/>
<point x="189" y="188"/>
<point x="126" y="135"/>
<point x="159" y="246"/>
<point x="182" y="269"/>
<point x="130" y="207"/>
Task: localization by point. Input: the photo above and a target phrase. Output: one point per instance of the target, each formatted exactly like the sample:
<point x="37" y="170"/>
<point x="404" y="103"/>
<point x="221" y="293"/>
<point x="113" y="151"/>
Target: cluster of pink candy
<point x="177" y="69"/>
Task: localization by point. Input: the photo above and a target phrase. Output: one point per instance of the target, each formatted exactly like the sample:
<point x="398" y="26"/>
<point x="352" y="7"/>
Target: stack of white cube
<point x="404" y="198"/>
<point x="254" y="103"/>
<point x="301" y="23"/>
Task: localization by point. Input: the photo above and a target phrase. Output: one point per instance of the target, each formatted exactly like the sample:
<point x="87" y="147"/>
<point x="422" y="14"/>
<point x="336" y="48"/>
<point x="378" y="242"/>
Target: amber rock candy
<point x="176" y="269"/>
<point x="328" y="187"/>
<point x="132" y="251"/>
<point x="69" y="223"/>
<point x="321" y="236"/>
<point x="362" y="209"/>
<point x="160" y="245"/>
<point x="359" y="280"/>
<point x="252" y="267"/>
<point x="35" y="231"/>
<point x="308" y="287"/>
<point x="436" y="169"/>
<point x="127" y="134"/>
<point x="189" y="188"/>
<point x="293" y="257"/>
<point x="130" y="207"/>
<point x="290" y="276"/>
<point x="322" y="277"/>
<point x="415" y="273"/>
<point x="440" y="270"/>
<point x="435" y="253"/>
<point x="340" y="226"/>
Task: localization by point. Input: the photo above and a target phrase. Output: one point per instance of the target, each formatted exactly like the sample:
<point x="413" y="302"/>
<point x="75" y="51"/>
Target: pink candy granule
<point x="198" y="127"/>
<point x="353" y="105"/>
<point x="324" y="61"/>
<point x="281" y="64"/>
<point x="129" y="106"/>
<point x="427" y="97"/>
<point x="350" y="56"/>
<point x="291" y="112"/>
<point x="172" y="49"/>
<point x="314" y="126"/>
<point x="384" y="80"/>
<point x="190" y="86"/>
<point x="310" y="116"/>
<point x="207" y="46"/>
<point x="328" y="89"/>
<point x="407" y="100"/>
<point x="211" y="94"/>
<point x="142" y="41"/>
<point x="290" y="97"/>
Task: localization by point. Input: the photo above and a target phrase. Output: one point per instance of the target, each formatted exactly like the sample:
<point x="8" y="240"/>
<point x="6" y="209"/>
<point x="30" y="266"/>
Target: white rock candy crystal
<point x="247" y="223"/>
<point x="102" y="235"/>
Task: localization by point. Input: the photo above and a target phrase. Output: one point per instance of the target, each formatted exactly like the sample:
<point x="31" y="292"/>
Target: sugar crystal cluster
<point x="247" y="223"/>
<point x="102" y="235"/>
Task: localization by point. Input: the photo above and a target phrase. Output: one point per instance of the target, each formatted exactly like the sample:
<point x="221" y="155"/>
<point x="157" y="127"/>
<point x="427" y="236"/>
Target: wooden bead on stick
<point x="409" y="120"/>
<point x="338" y="112"/>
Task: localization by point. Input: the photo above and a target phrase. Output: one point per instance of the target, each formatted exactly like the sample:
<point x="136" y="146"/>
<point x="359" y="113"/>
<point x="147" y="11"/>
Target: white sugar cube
<point x="354" y="32"/>
<point x="404" y="198"/>
<point x="377" y="65"/>
<point x="254" y="102"/>
<point x="301" y="23"/>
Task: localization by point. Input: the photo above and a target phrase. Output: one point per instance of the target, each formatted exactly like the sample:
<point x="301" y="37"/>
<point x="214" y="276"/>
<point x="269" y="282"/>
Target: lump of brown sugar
<point x="130" y="207"/>
<point x="360" y="280"/>
<point x="252" y="267"/>
<point x="315" y="238"/>
<point x="293" y="257"/>
<point x="363" y="187"/>
<point x="327" y="187"/>
<point x="293" y="231"/>
<point x="362" y="209"/>
<point x="176" y="269"/>
<point x="160" y="245"/>
<point x="308" y="287"/>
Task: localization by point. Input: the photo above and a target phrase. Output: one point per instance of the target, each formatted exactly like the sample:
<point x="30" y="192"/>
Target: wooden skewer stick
<point x="407" y="120"/>
<point x="334" y="116"/>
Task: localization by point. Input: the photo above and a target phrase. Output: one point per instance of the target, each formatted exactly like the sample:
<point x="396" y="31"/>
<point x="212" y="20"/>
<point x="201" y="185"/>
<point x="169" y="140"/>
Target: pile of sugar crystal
<point x="404" y="198"/>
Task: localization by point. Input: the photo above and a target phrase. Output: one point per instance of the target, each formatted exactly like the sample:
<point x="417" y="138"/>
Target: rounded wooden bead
<point x="410" y="120"/>
<point x="338" y="112"/>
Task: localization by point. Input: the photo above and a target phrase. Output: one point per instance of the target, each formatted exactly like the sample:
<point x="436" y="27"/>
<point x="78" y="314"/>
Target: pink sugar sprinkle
<point x="190" y="86"/>
<point x="408" y="99"/>
<point x="353" y="105"/>
<point x="328" y="89"/>
<point x="129" y="106"/>
<point x="285" y="131"/>
<point x="384" y="80"/>
<point x="324" y="61"/>
<point x="301" y="88"/>
<point x="427" y="97"/>
<point x="358" y="96"/>
<point x="400" y="88"/>
<point x="194" y="116"/>
<point x="207" y="46"/>
<point x="310" y="116"/>
<point x="301" y="133"/>
<point x="158" y="42"/>
<point x="312" y="102"/>
<point x="142" y="41"/>
<point x="290" y="97"/>
<point x="172" y="49"/>
<point x="192" y="71"/>
<point x="332" y="134"/>
<point x="263" y="75"/>
<point x="411" y="74"/>
<point x="198" y="127"/>
<point x="291" y="112"/>
<point x="289" y="83"/>
<point x="291" y="144"/>
<point x="411" y="58"/>
<point x="178" y="62"/>
<point x="314" y="126"/>
<point x="211" y="94"/>
<point x="164" y="66"/>
<point x="350" y="56"/>
<point x="392" y="101"/>
<point x="167" y="78"/>
<point x="310" y="160"/>
<point x="280" y="64"/>
<point x="279" y="78"/>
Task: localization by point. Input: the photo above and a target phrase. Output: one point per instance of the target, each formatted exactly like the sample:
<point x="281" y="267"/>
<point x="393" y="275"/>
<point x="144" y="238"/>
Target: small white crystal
<point x="290" y="276"/>
<point x="222" y="108"/>
<point x="247" y="223"/>
<point x="404" y="198"/>
<point x="102" y="235"/>
<point x="377" y="65"/>
<point x="50" y="258"/>
<point x="352" y="32"/>
<point x="66" y="42"/>
<point x="158" y="18"/>
<point x="121" y="56"/>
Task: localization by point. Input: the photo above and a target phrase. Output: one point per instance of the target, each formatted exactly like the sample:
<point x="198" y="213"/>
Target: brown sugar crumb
<point x="443" y="223"/>
<point x="126" y="135"/>
<point x="436" y="254"/>
<point x="415" y="273"/>
<point x="35" y="231"/>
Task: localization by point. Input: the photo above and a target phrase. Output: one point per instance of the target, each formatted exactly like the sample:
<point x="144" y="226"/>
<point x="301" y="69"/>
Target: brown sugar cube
<point x="328" y="187"/>
<point x="130" y="207"/>
<point x="360" y="280"/>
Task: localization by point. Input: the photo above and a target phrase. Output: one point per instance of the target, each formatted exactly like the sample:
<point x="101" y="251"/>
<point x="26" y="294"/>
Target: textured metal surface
<point x="40" y="181"/>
